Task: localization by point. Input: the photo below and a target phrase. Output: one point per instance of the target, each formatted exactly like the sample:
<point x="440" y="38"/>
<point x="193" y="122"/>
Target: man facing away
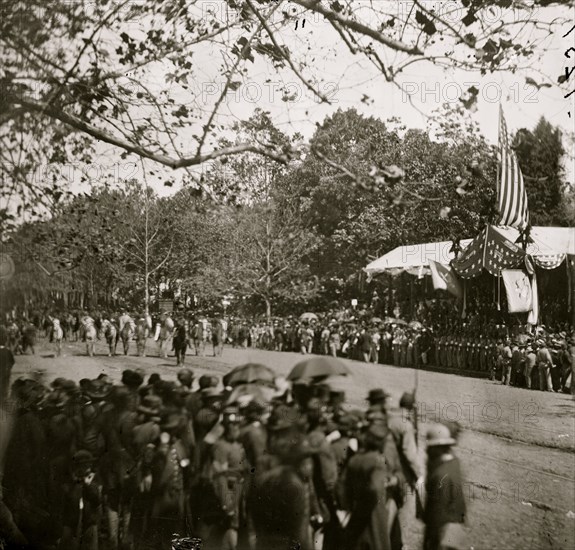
<point x="544" y="363"/>
<point x="445" y="509"/>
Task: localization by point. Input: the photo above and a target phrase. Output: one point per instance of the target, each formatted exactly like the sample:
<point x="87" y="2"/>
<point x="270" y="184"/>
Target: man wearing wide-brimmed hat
<point x="81" y="505"/>
<point x="377" y="399"/>
<point x="445" y="511"/>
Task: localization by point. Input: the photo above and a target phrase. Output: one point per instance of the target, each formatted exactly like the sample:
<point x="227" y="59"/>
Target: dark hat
<point x="54" y="400"/>
<point x="205" y="381"/>
<point x="254" y="407"/>
<point x="132" y="379"/>
<point x="185" y="374"/>
<point x="153" y="378"/>
<point x="82" y="458"/>
<point x="57" y="382"/>
<point x="28" y="392"/>
<point x="284" y="417"/>
<point x="377" y="394"/>
<point x="172" y="421"/>
<point x="119" y="395"/>
<point x="151" y="405"/>
<point x="68" y="386"/>
<point x="407" y="400"/>
<point x="98" y="390"/>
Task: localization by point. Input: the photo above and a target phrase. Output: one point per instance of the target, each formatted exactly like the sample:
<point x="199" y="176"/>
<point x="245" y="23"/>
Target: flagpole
<point x="498" y="181"/>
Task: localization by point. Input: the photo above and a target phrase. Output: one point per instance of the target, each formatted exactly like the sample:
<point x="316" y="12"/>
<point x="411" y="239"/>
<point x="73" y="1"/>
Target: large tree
<point x="541" y="155"/>
<point x="445" y="189"/>
<point x="266" y="255"/>
<point x="125" y="73"/>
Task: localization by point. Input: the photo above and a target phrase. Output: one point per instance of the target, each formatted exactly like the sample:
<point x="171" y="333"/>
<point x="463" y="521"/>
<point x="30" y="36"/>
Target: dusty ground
<point x="517" y="448"/>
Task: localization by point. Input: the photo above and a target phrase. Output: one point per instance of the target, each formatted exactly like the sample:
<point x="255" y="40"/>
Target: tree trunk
<point x="147" y="293"/>
<point x="268" y="311"/>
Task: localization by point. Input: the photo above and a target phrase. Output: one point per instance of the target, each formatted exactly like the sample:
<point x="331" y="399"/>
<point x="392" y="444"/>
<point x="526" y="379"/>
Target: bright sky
<point x="346" y="79"/>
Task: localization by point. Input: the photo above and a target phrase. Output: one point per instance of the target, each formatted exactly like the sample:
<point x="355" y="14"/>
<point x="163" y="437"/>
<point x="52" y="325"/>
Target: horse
<point x="126" y="335"/>
<point x="141" y="335"/>
<point x="110" y="333"/>
<point x="89" y="334"/>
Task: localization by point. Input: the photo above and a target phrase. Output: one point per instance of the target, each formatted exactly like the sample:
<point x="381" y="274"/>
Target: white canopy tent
<point x="547" y="241"/>
<point x="413" y="258"/>
<point x="550" y="244"/>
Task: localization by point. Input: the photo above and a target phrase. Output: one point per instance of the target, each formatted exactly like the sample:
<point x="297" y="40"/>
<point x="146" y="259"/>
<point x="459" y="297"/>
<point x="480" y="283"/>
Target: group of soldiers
<point x="518" y="361"/>
<point x="133" y="464"/>
<point x="176" y="332"/>
<point x="488" y="352"/>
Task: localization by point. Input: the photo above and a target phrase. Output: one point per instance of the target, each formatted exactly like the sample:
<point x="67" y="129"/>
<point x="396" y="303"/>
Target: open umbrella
<point x="248" y="374"/>
<point x="376" y="320"/>
<point x="318" y="366"/>
<point x="308" y="316"/>
<point x="415" y="325"/>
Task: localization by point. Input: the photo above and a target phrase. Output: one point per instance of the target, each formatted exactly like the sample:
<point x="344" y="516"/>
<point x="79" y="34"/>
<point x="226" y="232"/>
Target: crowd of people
<point x="535" y="358"/>
<point x="96" y="465"/>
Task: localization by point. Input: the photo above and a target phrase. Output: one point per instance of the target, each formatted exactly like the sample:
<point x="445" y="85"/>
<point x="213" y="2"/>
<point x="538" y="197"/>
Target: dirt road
<point x="517" y="448"/>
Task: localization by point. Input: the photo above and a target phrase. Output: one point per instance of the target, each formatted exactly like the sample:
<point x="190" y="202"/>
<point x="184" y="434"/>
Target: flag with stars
<point x="491" y="251"/>
<point x="511" y="194"/>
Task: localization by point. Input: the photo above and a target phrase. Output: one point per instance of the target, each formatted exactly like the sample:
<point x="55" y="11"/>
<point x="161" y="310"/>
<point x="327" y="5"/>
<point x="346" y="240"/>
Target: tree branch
<point x="174" y="163"/>
<point x="330" y="15"/>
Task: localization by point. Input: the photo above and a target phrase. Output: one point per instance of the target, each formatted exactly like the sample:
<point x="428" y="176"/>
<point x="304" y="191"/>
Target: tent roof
<point x="548" y="241"/>
<point x="413" y="256"/>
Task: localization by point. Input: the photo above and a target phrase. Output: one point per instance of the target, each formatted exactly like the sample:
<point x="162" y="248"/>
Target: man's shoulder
<point x="397" y="423"/>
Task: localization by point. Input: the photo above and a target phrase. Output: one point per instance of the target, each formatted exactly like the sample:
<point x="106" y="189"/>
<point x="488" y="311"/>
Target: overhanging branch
<point x="171" y="162"/>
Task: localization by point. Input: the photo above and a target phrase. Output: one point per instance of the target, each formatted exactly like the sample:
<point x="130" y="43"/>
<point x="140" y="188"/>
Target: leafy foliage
<point x="76" y="75"/>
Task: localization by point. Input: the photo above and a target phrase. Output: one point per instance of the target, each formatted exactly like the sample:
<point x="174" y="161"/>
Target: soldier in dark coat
<point x="445" y="510"/>
<point x="281" y="495"/>
<point x="253" y="435"/>
<point x="170" y="482"/>
<point x="81" y="505"/>
<point x="227" y="470"/>
<point x="144" y="438"/>
<point x="366" y="482"/>
<point x="180" y="340"/>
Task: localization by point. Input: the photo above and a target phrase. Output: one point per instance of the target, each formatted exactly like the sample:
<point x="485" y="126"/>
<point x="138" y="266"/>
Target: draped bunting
<point x="552" y="261"/>
<point x="491" y="251"/>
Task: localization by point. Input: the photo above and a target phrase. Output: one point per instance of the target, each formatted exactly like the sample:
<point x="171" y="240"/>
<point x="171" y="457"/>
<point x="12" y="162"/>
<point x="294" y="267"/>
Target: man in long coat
<point x="366" y="481"/>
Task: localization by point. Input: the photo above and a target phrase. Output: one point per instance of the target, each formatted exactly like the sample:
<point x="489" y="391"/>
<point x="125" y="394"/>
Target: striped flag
<point x="511" y="194"/>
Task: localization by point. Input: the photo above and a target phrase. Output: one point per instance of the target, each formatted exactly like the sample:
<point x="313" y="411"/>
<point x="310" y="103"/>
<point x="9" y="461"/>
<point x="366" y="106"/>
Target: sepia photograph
<point x="287" y="274"/>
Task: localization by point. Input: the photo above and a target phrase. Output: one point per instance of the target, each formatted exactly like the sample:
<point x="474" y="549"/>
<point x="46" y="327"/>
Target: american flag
<point x="511" y="194"/>
<point x="491" y="251"/>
